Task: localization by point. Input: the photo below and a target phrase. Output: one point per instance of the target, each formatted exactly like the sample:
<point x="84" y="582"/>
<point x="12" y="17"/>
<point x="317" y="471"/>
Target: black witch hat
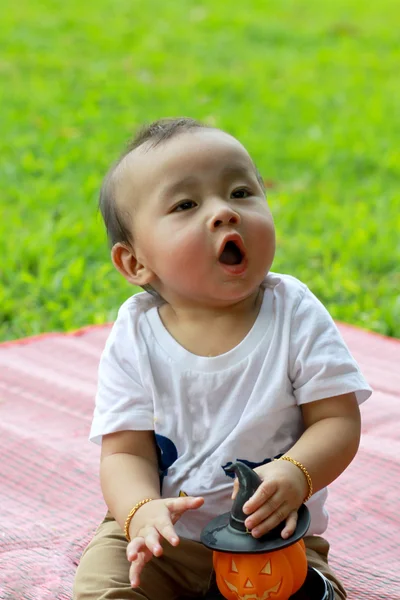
<point x="228" y="533"/>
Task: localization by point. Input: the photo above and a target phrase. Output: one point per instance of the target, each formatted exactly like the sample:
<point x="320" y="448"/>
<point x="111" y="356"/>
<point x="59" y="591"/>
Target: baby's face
<point x="200" y="222"/>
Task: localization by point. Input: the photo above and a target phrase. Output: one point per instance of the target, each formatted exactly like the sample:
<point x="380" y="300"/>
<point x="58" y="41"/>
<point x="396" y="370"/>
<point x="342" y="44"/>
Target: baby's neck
<point x="211" y="331"/>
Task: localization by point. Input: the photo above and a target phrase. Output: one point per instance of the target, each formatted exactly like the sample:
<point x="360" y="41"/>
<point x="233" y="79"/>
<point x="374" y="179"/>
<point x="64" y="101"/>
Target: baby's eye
<point x="185" y="205"/>
<point x="240" y="193"/>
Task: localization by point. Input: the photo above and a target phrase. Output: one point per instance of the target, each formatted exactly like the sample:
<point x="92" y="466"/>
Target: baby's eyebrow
<point x="179" y="186"/>
<point x="183" y="185"/>
<point x="235" y="170"/>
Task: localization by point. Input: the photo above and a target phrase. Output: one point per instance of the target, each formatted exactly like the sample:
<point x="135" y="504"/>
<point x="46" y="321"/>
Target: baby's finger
<point x="168" y="532"/>
<point x="260" y="497"/>
<point x="184" y="503"/>
<point x="235" y="489"/>
<point x="264" y="511"/>
<point x="152" y="541"/>
<point x="134" y="547"/>
<point x="290" y="525"/>
<point x="135" y="570"/>
<point x="271" y="522"/>
<point x="177" y="506"/>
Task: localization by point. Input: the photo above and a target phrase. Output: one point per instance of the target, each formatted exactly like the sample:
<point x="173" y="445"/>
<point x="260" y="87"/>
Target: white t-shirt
<point x="242" y="405"/>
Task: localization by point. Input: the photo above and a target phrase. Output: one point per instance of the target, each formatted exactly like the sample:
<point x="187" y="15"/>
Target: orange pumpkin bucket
<point x="275" y="575"/>
<point x="260" y="568"/>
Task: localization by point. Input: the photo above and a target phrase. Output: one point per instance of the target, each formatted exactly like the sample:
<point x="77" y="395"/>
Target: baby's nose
<point x="224" y="216"/>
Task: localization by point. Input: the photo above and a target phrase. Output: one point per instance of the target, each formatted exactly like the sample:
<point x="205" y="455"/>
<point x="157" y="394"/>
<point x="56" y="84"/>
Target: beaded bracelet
<point x="131" y="515"/>
<point x="306" y="474"/>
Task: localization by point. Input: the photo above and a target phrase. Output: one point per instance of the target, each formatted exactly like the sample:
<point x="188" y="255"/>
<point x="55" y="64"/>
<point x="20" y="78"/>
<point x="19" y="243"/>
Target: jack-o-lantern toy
<point x="261" y="568"/>
<point x="277" y="574"/>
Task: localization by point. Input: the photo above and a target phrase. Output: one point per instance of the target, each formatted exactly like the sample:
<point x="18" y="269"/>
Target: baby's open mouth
<point x="231" y="254"/>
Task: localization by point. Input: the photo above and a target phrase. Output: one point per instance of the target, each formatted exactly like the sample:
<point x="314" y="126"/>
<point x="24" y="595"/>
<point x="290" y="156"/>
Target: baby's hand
<point x="153" y="521"/>
<point x="278" y="498"/>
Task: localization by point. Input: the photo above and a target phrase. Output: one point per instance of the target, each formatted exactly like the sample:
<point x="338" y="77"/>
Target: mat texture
<point x="50" y="498"/>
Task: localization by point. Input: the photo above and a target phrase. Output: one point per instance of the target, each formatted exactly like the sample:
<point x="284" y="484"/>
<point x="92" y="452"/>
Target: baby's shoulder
<point x="286" y="289"/>
<point x="130" y="320"/>
<point x="135" y="307"/>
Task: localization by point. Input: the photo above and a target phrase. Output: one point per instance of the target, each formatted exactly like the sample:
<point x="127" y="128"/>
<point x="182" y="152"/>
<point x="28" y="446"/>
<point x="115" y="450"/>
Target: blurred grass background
<point x="311" y="88"/>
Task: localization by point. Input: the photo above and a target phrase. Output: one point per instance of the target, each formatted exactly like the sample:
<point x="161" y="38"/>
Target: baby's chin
<point x="231" y="295"/>
<point x="213" y="290"/>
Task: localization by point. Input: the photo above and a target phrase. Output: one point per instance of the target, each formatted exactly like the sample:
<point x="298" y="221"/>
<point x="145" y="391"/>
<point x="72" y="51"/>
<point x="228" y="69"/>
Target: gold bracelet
<point x="132" y="512"/>
<point x="306" y="474"/>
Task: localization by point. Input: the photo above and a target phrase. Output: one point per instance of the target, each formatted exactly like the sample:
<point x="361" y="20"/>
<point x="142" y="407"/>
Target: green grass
<point x="311" y="88"/>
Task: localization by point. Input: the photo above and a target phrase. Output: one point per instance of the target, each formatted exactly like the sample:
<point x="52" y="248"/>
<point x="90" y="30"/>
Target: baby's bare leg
<point x="103" y="572"/>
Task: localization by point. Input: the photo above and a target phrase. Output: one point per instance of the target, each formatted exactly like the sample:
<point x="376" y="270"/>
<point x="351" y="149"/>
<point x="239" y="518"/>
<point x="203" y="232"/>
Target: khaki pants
<point x="182" y="572"/>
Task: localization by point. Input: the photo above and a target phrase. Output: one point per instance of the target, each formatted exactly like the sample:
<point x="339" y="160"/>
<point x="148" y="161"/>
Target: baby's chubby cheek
<point x="177" y="259"/>
<point x="260" y="238"/>
<point x="184" y="250"/>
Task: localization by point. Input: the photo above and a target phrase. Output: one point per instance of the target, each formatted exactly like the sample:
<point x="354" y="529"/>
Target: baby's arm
<point x="129" y="474"/>
<point x="128" y="471"/>
<point x="331" y="438"/>
<point x="327" y="446"/>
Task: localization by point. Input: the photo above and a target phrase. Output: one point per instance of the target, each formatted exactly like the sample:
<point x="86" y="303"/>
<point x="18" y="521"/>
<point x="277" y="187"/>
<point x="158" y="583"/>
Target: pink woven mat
<point x="49" y="490"/>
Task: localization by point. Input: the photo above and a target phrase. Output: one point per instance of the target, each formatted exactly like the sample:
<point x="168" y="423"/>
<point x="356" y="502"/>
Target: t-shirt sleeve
<point x="321" y="365"/>
<point x="121" y="402"/>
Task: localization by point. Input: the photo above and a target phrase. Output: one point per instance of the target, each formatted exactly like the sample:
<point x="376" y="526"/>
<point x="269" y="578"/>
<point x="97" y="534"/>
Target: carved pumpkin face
<point x="276" y="575"/>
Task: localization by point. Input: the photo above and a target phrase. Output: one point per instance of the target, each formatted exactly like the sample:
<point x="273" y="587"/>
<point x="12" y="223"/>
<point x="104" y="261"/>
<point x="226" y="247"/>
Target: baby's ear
<point x="125" y="262"/>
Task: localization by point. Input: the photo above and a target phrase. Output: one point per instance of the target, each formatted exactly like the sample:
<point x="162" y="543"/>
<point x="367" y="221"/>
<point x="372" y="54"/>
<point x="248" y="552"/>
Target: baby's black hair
<point x="155" y="133"/>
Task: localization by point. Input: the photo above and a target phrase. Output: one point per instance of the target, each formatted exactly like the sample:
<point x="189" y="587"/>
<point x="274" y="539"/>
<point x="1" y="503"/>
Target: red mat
<point x="49" y="490"/>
